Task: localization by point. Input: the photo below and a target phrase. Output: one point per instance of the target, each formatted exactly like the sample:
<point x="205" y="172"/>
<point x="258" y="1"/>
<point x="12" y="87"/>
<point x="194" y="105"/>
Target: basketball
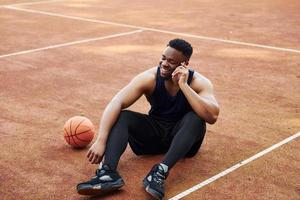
<point x="78" y="131"/>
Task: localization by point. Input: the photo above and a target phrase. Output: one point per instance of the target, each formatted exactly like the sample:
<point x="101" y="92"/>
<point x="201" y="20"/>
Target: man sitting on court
<point x="181" y="100"/>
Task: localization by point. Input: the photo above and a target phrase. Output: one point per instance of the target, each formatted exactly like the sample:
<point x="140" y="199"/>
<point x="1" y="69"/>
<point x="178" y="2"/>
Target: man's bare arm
<point x="140" y="85"/>
<point x="203" y="101"/>
<point x="123" y="99"/>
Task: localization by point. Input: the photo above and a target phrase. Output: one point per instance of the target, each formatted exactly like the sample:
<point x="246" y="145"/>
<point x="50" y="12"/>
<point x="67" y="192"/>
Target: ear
<point x="186" y="62"/>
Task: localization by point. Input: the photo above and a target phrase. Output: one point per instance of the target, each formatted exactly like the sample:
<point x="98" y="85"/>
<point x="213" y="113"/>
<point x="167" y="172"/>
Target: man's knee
<point x="125" y="116"/>
<point x="198" y="128"/>
<point x="194" y="125"/>
<point x="193" y="119"/>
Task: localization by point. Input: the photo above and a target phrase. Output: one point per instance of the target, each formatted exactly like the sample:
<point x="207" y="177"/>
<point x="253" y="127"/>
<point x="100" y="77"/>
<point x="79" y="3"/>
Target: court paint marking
<point x="234" y="167"/>
<point x="70" y="43"/>
<point x="31" y="3"/>
<point x="156" y="30"/>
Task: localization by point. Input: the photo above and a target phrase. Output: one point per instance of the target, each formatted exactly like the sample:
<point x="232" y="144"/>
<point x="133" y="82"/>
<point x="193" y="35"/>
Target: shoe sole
<point x="152" y="192"/>
<point x="106" y="188"/>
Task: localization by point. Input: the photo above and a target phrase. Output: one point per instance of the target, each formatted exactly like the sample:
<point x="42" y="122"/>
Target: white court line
<point x="156" y="30"/>
<point x="234" y="167"/>
<point x="31" y="3"/>
<point x="70" y="43"/>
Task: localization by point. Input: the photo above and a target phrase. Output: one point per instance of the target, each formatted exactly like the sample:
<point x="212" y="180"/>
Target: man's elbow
<point x="212" y="119"/>
<point x="115" y="103"/>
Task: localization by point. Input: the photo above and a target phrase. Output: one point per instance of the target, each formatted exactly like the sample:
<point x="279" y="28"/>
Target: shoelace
<point x="100" y="172"/>
<point x="159" y="178"/>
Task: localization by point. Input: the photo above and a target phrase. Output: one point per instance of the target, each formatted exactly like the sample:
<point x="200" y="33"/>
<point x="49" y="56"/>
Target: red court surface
<point x="64" y="58"/>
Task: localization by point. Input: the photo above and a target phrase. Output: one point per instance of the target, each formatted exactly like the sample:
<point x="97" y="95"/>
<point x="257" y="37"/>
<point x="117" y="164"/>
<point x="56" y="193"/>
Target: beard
<point x="167" y="77"/>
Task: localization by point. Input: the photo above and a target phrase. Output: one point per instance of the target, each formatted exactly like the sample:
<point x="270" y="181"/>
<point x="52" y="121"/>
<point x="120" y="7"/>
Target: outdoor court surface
<point x="62" y="58"/>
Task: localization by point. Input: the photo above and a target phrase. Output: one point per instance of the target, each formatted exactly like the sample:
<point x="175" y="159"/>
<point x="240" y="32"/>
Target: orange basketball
<point x="78" y="131"/>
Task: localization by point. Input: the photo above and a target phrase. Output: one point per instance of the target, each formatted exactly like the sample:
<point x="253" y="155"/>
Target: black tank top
<point x="163" y="105"/>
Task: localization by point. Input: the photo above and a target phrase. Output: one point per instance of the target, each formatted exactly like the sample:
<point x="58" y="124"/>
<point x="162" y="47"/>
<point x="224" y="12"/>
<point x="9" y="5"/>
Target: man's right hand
<point x="96" y="152"/>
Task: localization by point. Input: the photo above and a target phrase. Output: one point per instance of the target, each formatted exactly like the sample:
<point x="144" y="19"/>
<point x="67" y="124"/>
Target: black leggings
<point x="152" y="135"/>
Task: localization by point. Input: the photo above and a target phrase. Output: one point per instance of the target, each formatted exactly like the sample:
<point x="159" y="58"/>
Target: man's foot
<point x="154" y="181"/>
<point x="106" y="180"/>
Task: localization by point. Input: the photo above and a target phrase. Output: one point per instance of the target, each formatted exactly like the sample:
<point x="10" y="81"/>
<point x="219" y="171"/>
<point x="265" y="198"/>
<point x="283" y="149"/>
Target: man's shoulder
<point x="200" y="81"/>
<point x="200" y="77"/>
<point x="148" y="75"/>
<point x="152" y="71"/>
<point x="147" y="80"/>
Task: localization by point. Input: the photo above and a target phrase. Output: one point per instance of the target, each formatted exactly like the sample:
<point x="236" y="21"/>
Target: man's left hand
<point x="181" y="74"/>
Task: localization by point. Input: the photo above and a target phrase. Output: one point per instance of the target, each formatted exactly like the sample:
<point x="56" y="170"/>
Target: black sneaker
<point x="106" y="180"/>
<point x="154" y="181"/>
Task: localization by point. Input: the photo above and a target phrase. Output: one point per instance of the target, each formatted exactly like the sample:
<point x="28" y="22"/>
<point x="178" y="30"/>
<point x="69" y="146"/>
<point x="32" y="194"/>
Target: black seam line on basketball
<point x="67" y="135"/>
<point x="83" y="132"/>
<point x="81" y="139"/>
<point x="71" y="128"/>
<point x="79" y="133"/>
<point x="71" y="133"/>
<point x="69" y="139"/>
<point x="74" y="141"/>
<point x="78" y="126"/>
<point x="66" y="131"/>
